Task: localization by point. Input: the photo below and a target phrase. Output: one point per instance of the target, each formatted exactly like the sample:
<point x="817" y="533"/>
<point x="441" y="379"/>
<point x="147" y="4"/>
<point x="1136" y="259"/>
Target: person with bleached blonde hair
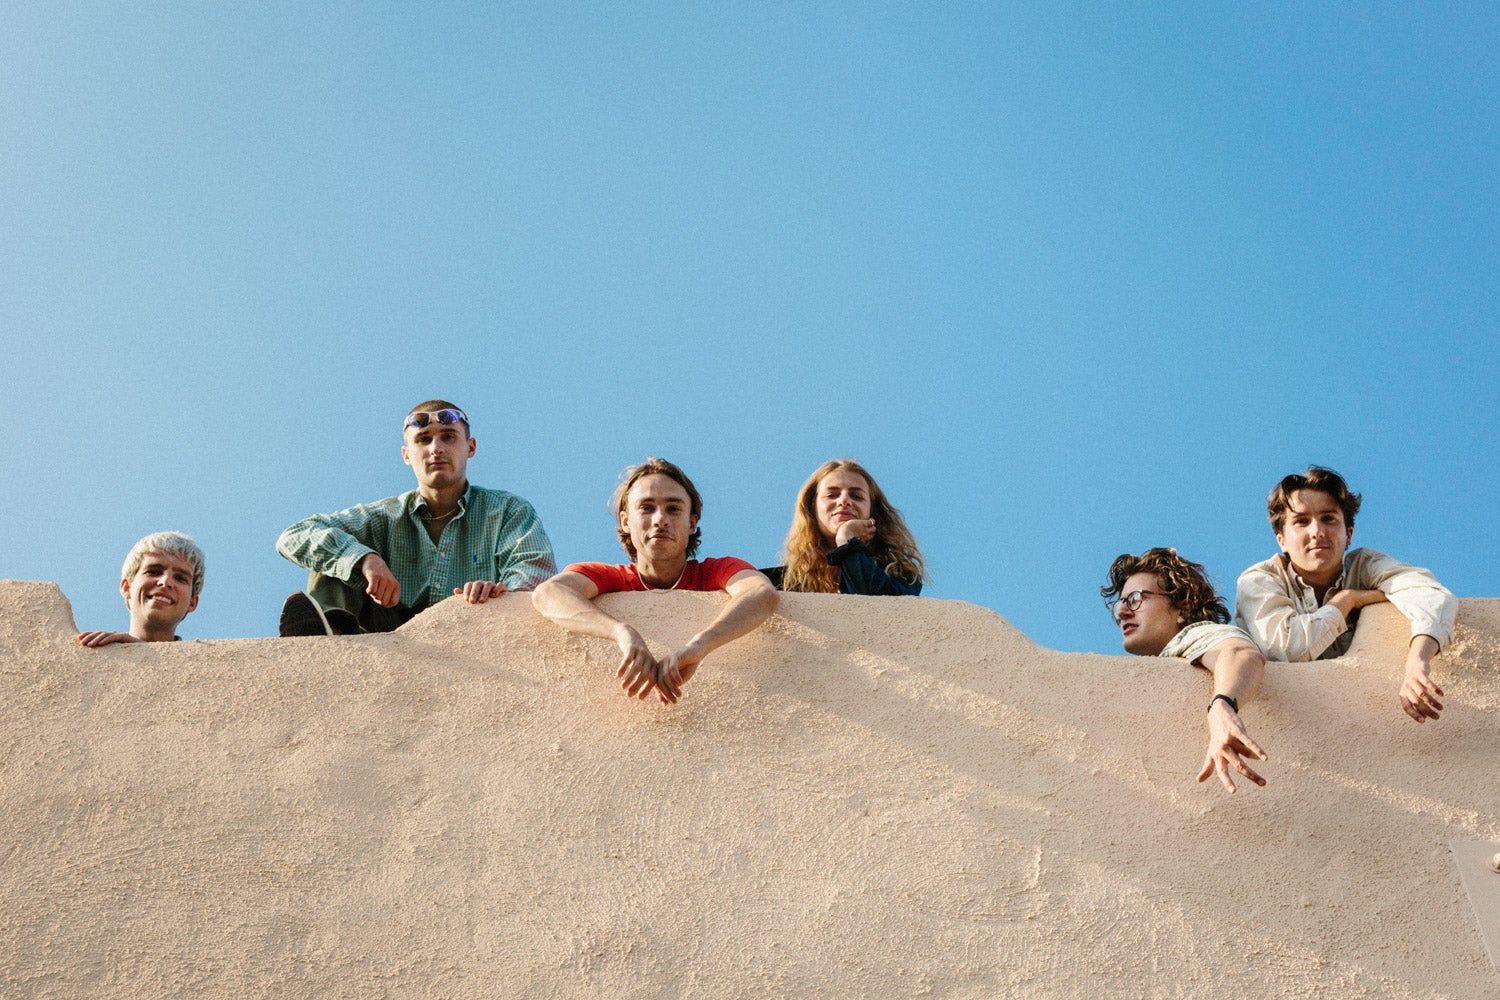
<point x="847" y="538"/>
<point x="160" y="581"/>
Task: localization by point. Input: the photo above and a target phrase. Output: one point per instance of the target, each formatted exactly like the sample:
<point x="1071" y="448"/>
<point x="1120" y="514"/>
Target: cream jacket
<point x="1282" y="614"/>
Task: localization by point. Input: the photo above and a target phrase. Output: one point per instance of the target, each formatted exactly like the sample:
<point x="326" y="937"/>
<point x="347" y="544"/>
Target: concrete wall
<point x="870" y="797"/>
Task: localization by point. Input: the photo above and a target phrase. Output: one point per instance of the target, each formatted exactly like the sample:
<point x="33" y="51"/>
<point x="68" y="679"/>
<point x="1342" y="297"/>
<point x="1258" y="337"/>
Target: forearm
<point x="1419" y="653"/>
<point x="1237" y="668"/>
<point x="574" y="612"/>
<point x="1238" y="672"/>
<point x="323" y="546"/>
<point x="743" y="614"/>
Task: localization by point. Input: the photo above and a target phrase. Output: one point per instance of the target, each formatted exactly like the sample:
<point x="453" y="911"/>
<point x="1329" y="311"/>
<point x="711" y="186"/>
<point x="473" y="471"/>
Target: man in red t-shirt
<point x="659" y="510"/>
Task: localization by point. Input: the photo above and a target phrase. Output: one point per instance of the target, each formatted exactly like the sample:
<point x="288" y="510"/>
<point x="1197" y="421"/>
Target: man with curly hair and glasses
<point x="1302" y="603"/>
<point x="1165" y="606"/>
<point x="374" y="566"/>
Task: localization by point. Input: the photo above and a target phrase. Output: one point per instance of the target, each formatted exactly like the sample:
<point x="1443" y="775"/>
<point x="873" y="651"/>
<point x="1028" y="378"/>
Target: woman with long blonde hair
<point x="847" y="538"/>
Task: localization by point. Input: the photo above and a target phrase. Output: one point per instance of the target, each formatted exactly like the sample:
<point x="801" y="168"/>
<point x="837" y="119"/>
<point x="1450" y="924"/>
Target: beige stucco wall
<point x="870" y="797"/>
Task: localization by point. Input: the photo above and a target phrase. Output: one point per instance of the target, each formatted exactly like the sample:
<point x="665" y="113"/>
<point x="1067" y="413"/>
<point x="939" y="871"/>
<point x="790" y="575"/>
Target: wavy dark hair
<point x="1279" y="503"/>
<point x="650" y="467"/>
<point x="1184" y="583"/>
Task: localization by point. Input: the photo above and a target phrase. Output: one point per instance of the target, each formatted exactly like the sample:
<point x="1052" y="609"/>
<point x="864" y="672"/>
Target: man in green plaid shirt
<point x="376" y="565"/>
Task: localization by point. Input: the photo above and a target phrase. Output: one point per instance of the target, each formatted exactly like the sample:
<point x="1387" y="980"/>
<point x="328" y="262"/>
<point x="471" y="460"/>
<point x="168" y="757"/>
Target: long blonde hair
<point x="805" y="553"/>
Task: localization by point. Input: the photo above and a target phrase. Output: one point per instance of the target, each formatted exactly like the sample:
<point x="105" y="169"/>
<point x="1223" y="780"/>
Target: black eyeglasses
<point x="424" y="417"/>
<point x="1132" y="601"/>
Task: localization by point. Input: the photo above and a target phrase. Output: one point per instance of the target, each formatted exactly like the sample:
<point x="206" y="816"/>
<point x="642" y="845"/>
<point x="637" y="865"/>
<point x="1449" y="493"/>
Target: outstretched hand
<point x="1227" y="741"/>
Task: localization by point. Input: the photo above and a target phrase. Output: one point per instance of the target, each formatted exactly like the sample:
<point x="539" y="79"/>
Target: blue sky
<point x="1071" y="280"/>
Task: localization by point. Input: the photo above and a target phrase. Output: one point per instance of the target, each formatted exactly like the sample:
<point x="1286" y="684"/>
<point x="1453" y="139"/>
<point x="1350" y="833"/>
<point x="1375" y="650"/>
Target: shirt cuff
<point x="347" y="562"/>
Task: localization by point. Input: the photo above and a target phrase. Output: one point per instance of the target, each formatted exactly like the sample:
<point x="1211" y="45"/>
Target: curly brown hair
<point x="1279" y="503"/>
<point x="650" y="467"/>
<point x="1184" y="583"/>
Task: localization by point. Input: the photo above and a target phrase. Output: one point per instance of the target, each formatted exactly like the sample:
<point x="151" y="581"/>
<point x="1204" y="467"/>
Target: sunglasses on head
<point x="422" y="418"/>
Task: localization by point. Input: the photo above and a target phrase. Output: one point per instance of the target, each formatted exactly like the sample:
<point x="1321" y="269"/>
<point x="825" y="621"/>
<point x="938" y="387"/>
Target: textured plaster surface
<point x="868" y="798"/>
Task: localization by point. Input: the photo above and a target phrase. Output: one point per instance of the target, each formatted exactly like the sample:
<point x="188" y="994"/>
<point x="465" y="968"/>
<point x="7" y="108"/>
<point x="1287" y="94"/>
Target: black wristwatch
<point x="1233" y="705"/>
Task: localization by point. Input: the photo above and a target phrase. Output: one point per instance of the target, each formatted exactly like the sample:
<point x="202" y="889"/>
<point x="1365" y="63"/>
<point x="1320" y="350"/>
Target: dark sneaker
<point x="301" y="615"/>
<point x="342" y="622"/>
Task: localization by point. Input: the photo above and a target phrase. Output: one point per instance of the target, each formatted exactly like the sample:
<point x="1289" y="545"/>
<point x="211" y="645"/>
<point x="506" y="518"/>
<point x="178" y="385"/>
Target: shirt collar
<point x="419" y="502"/>
<point x="1291" y="571"/>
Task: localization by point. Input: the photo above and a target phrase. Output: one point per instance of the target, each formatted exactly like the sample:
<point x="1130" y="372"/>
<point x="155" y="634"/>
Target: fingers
<point x="1245" y="745"/>
<point x="635" y="672"/>
<point x="1244" y="769"/>
<point x="1419" y="698"/>
<point x="1215" y="764"/>
<point x="668" y="683"/>
<point x="1221" y="762"/>
<point x="639" y="685"/>
<point x="479" y="591"/>
<point x="384" y="591"/>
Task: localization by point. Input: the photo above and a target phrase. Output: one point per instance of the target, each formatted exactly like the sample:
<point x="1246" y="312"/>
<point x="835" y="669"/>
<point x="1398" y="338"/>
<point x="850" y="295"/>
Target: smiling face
<point x="1147" y="630"/>
<point x="842" y="496"/>
<point x="439" y="454"/>
<point x="658" y="517"/>
<point x="1314" y="536"/>
<point x="159" y="595"/>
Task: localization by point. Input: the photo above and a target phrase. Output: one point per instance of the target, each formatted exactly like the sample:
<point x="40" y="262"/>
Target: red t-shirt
<point x="707" y="574"/>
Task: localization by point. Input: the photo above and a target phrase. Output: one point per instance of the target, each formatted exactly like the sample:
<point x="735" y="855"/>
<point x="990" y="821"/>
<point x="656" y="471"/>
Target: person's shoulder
<point x="608" y="577"/>
<point x="714" y="572"/>
<point x="1197" y="638"/>
<point x="389" y="506"/>
<point x="595" y="567"/>
<point x="1274" y="568"/>
<point x="1216" y="632"/>
<point x="497" y="500"/>
<point x="1362" y="555"/>
<point x="722" y="562"/>
<point x="396" y="504"/>
<point x="724" y="567"/>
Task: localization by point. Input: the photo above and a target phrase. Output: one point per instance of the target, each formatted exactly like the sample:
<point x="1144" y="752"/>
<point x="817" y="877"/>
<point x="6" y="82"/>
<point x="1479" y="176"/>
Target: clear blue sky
<point x="1071" y="280"/>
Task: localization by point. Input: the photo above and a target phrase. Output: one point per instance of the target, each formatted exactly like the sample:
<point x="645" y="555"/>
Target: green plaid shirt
<point x="495" y="536"/>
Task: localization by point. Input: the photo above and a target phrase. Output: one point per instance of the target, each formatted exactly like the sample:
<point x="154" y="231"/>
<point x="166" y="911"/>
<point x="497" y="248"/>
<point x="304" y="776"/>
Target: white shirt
<point x="1282" y="614"/>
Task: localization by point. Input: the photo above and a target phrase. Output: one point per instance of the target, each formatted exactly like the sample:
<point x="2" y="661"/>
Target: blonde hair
<point x="166" y="543"/>
<point x="805" y="552"/>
